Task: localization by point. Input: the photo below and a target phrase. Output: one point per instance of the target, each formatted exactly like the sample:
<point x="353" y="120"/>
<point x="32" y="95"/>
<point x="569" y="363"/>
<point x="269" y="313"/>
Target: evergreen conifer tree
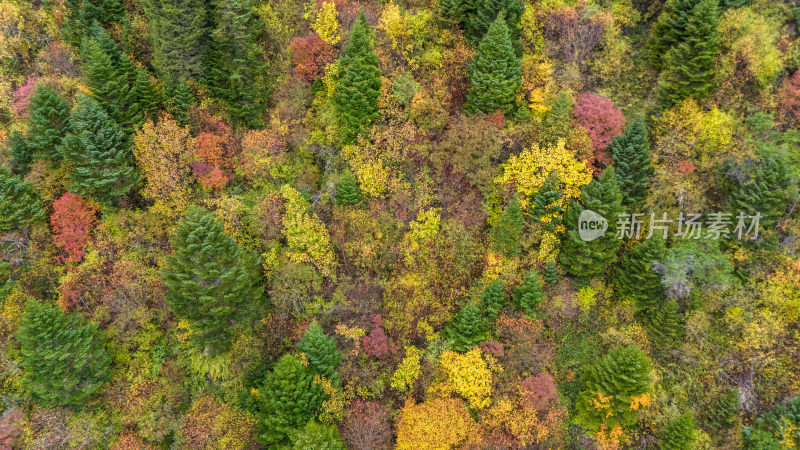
<point x="550" y="273"/>
<point x="635" y="278"/>
<point x="64" y="358"/>
<point x="556" y="123"/>
<point x="506" y="233"/>
<point x="494" y="73"/>
<point x="544" y="206"/>
<point x="356" y="95"/>
<point x="493" y="301"/>
<point x="766" y="192"/>
<point x="288" y="399"/>
<point x="476" y="16"/>
<point x="679" y="433"/>
<point x="148" y="97"/>
<point x="49" y="122"/>
<point x="19" y="205"/>
<point x="722" y="414"/>
<point x="689" y="70"/>
<point x="100" y="154"/>
<point x="320" y="349"/>
<point x="619" y="377"/>
<point x="179" y="35"/>
<point x="212" y="281"/>
<point x="466" y="329"/>
<point x="529" y="294"/>
<point x="630" y="152"/>
<point x="82" y="15"/>
<point x="179" y="98"/>
<point x="669" y="30"/>
<point x="21" y="153"/>
<point x="585" y="259"/>
<point x="235" y="68"/>
<point x="347" y="191"/>
<point x="664" y="327"/>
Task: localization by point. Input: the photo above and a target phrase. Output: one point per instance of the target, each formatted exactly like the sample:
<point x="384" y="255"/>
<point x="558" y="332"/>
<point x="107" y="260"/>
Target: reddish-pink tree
<point x="790" y="94"/>
<point x="376" y="343"/>
<point x="21" y="97"/>
<point x="310" y="55"/>
<point x="367" y="426"/>
<point x="72" y="220"/>
<point x="539" y="391"/>
<point x="601" y="119"/>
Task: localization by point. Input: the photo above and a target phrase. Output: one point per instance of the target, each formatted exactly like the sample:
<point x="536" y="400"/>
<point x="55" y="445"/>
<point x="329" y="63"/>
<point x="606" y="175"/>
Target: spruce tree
<point x="212" y="281"/>
<point x="493" y="301"/>
<point x="619" y="377"/>
<point x="690" y="64"/>
<point x="179" y="98"/>
<point x="585" y="259"/>
<point x="550" y="273"/>
<point x="529" y="294"/>
<point x="356" y="95"/>
<point x="19" y="205"/>
<point x="635" y="278"/>
<point x="664" y="327"/>
<point x="669" y="30"/>
<point x="556" y="123"/>
<point x="21" y="153"/>
<point x="63" y="357"/>
<point x="320" y="349"/>
<point x="49" y="122"/>
<point x="235" y="68"/>
<point x="766" y="192"/>
<point x="466" y="329"/>
<point x="630" y="152"/>
<point x="476" y="16"/>
<point x="723" y="411"/>
<point x="507" y="232"/>
<point x="100" y="154"/>
<point x="679" y="434"/>
<point x="288" y="399"/>
<point x="148" y="98"/>
<point x="317" y="436"/>
<point x="83" y="15"/>
<point x="347" y="191"/>
<point x="494" y="73"/>
<point x="179" y="35"/>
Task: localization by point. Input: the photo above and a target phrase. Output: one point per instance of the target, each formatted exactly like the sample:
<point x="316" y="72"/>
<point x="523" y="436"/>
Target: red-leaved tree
<point x="21" y="97"/>
<point x="601" y="119"/>
<point x="310" y="55"/>
<point x="72" y="221"/>
<point x="376" y="343"/>
<point x="790" y="94"/>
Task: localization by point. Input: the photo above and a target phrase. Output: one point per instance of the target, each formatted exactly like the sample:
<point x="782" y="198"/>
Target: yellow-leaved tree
<point x="469" y="375"/>
<point x="326" y="25"/>
<point x="436" y="424"/>
<point x="308" y="238"/>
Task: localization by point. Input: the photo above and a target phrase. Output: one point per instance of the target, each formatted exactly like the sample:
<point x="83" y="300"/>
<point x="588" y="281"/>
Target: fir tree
<point x="347" y="191"/>
<point x="320" y="349"/>
<point x="148" y="97"/>
<point x="664" y="327"/>
<point x="494" y="73"/>
<point x="179" y="35"/>
<point x="630" y="152"/>
<point x="550" y="273"/>
<point x="679" y="434"/>
<point x="288" y="399"/>
<point x="507" y="232"/>
<point x="21" y="153"/>
<point x="556" y="123"/>
<point x="212" y="281"/>
<point x="635" y="278"/>
<point x="670" y="30"/>
<point x="317" y="436"/>
<point x="49" y="123"/>
<point x="529" y="294"/>
<point x="82" y="15"/>
<point x="690" y="64"/>
<point x="64" y="358"/>
<point x="99" y="153"/>
<point x="766" y="192"/>
<point x="466" y="329"/>
<point x="723" y="411"/>
<point x="476" y="16"/>
<point x="619" y="377"/>
<point x="585" y="259"/>
<point x="179" y="98"/>
<point x="493" y="301"/>
<point x="356" y="95"/>
<point x="19" y="205"/>
<point x="235" y="67"/>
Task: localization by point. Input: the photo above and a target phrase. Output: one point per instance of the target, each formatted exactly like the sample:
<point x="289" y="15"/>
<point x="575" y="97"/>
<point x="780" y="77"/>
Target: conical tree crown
<point x="635" y="278"/>
<point x="19" y="204"/>
<point x="100" y="154"/>
<point x="679" y="433"/>
<point x="493" y="301"/>
<point x="766" y="192"/>
<point x="179" y="35"/>
<point x="670" y="29"/>
<point x="630" y="152"/>
<point x="49" y="120"/>
<point x="494" y="72"/>
<point x="665" y="328"/>
<point x="529" y="294"/>
<point x="212" y="281"/>
<point x="64" y="357"/>
<point x="321" y="351"/>
<point x="347" y="191"/>
<point x="466" y="329"/>
<point x="507" y="231"/>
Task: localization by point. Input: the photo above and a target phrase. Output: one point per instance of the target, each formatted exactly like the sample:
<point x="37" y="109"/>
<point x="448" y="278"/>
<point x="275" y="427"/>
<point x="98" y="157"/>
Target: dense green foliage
<point x="321" y="351"/>
<point x="630" y="152"/>
<point x="466" y="329"/>
<point x="494" y="73"/>
<point x="19" y="204"/>
<point x="636" y="278"/>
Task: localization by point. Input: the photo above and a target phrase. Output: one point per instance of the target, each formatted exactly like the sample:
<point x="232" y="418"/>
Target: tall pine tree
<point x="494" y="73"/>
<point x="356" y="95"/>
<point x="506" y="233"/>
<point x="679" y="434"/>
<point x="664" y="327"/>
<point x="585" y="259"/>
<point x="321" y="352"/>
<point x="235" y="68"/>
<point x="179" y="35"/>
<point x="476" y="16"/>
<point x="21" y="153"/>
<point x="529" y="294"/>
<point x="767" y="191"/>
<point x="689" y="70"/>
<point x="630" y="152"/>
<point x="49" y="123"/>
<point x="466" y="328"/>
<point x="63" y="357"/>
<point x="100" y="154"/>
<point x="493" y="301"/>
<point x="19" y="205"/>
<point x="669" y="30"/>
<point x="635" y="278"/>
<point x="212" y="281"/>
